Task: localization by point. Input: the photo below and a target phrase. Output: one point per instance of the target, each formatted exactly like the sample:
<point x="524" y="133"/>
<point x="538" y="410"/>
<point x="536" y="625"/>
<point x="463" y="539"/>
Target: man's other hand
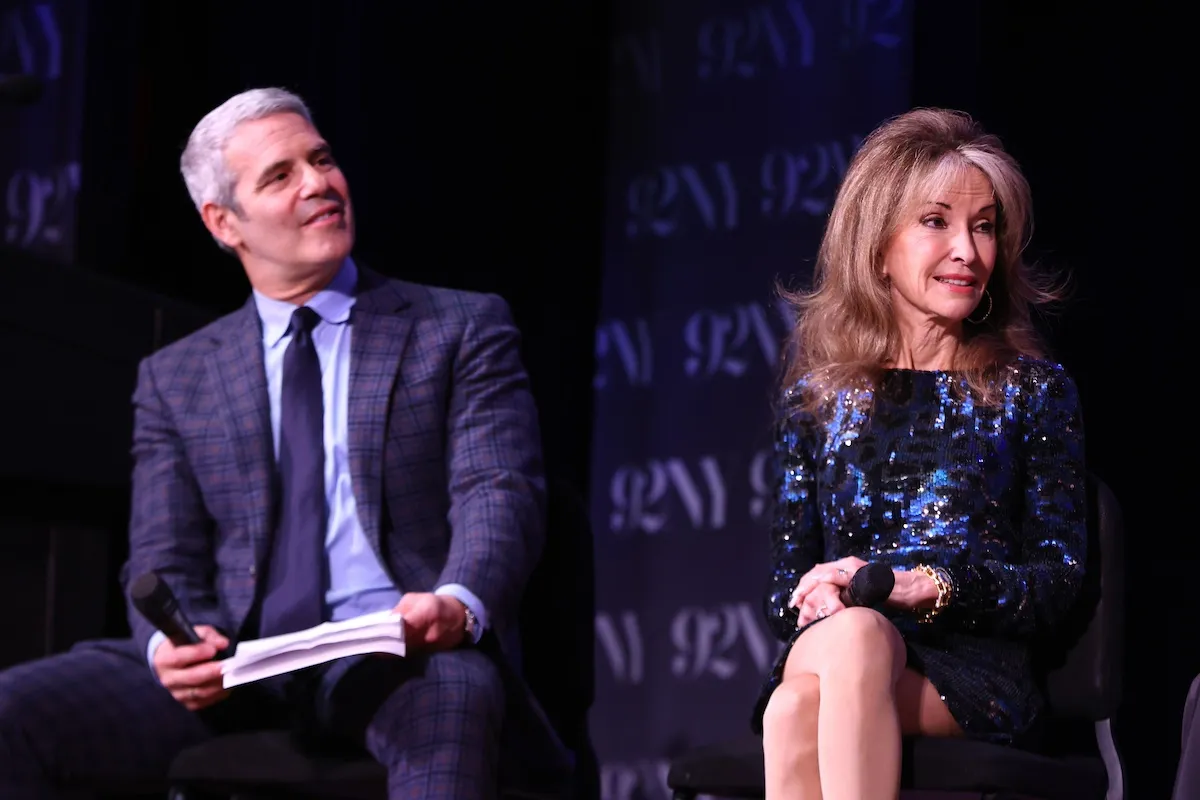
<point x="431" y="621"/>
<point x="189" y="673"/>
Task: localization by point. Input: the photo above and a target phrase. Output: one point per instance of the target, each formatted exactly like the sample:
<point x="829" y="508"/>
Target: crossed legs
<point x="831" y="730"/>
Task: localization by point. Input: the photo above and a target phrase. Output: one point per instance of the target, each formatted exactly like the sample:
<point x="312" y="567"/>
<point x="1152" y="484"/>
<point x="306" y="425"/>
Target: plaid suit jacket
<point x="445" y="456"/>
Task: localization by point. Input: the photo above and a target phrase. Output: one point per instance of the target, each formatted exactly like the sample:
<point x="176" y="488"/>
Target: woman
<point x="919" y="427"/>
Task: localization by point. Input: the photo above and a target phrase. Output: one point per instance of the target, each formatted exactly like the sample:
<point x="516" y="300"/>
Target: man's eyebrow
<point x="274" y="167"/>
<point x="322" y="149"/>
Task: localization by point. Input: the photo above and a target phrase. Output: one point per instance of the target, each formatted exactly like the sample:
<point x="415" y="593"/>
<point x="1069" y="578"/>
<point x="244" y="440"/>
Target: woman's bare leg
<point x="790" y="739"/>
<point x="858" y="657"/>
<point x="922" y="710"/>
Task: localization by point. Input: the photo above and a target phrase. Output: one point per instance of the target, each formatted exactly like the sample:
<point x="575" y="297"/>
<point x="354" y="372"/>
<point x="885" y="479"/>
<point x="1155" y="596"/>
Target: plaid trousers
<point x="97" y="715"/>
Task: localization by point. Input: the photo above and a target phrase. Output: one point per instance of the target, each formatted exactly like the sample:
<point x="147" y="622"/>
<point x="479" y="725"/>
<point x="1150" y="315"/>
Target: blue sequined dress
<point x="915" y="472"/>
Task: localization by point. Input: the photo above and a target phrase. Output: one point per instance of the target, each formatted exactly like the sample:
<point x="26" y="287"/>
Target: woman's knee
<point x="854" y="641"/>
<point x="791" y="712"/>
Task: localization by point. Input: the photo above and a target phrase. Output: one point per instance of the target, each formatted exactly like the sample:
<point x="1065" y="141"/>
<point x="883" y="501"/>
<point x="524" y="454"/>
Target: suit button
<point x="253" y="570"/>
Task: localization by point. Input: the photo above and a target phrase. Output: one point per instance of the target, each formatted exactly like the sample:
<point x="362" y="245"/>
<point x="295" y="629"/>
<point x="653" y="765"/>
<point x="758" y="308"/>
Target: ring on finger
<point x="822" y="612"/>
<point x="842" y="572"/>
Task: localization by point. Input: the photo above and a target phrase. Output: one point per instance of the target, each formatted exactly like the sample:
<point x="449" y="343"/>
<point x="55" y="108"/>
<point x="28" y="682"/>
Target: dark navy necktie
<point x="295" y="593"/>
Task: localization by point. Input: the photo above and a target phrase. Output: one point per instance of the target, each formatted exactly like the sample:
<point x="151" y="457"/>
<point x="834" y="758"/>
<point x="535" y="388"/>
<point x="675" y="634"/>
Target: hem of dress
<point x="1024" y="739"/>
<point x="993" y="735"/>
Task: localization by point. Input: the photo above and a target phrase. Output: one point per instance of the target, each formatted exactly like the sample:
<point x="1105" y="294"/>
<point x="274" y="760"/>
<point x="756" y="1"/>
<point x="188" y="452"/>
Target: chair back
<point x="1084" y="671"/>
<point x="557" y="623"/>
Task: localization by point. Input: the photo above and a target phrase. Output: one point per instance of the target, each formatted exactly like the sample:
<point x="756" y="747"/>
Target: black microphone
<point x="870" y="586"/>
<point x="154" y="599"/>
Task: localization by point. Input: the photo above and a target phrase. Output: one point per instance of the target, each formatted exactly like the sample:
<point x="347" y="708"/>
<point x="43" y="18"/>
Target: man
<point x="342" y="444"/>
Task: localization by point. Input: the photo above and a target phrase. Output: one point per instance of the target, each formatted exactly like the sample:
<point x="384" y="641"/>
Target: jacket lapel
<point x="380" y="333"/>
<point x="236" y="368"/>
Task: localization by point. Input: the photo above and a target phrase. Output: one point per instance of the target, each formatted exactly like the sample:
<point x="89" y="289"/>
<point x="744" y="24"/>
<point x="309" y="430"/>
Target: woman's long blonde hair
<point x="846" y="332"/>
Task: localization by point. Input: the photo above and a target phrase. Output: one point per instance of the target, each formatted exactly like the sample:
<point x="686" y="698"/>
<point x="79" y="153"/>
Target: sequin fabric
<point x="914" y="472"/>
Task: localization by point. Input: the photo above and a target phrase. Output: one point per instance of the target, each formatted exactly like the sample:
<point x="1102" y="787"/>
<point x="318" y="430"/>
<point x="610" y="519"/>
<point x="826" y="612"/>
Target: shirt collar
<point x="332" y="304"/>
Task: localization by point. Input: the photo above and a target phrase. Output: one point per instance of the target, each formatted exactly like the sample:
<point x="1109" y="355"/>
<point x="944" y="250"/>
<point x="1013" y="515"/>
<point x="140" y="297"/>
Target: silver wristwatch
<point x="472" y="625"/>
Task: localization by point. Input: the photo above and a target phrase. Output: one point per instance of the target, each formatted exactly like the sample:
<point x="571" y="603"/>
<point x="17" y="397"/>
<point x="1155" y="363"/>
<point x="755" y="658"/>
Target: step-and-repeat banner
<point x="42" y="73"/>
<point x="732" y="125"/>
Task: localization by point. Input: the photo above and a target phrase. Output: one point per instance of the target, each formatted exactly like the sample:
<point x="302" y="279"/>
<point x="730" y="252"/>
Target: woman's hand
<point x="913" y="590"/>
<point x="836" y="573"/>
<point x="823" y="600"/>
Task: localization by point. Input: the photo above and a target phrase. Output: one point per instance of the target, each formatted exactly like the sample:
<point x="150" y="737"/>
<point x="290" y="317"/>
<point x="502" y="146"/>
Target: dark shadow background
<point x="1087" y="99"/>
<point x="473" y="138"/>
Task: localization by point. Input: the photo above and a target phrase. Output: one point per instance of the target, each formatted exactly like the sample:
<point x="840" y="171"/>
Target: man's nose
<point x="315" y="182"/>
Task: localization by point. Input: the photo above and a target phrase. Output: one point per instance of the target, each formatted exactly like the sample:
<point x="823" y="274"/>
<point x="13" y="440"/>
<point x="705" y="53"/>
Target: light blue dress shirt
<point x="357" y="583"/>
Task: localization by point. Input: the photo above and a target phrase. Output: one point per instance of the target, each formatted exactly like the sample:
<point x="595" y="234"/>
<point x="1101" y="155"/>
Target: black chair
<point x="1187" y="771"/>
<point x="557" y="663"/>
<point x="1083" y="684"/>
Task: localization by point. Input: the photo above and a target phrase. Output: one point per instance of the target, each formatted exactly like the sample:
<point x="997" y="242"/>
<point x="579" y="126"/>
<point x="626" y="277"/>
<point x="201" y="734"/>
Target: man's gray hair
<point x="208" y="177"/>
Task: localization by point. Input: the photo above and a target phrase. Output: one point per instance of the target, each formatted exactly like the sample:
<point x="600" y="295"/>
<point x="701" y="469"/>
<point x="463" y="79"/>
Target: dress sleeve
<point x="1032" y="596"/>
<point x="797" y="544"/>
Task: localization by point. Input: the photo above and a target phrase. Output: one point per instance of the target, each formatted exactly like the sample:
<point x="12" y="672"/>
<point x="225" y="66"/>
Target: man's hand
<point x="432" y="621"/>
<point x="189" y="672"/>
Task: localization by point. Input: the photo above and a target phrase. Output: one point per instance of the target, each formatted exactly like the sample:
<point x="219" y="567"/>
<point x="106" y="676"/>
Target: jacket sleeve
<point x="496" y="478"/>
<point x="797" y="541"/>
<point x="169" y="530"/>
<point x="1033" y="594"/>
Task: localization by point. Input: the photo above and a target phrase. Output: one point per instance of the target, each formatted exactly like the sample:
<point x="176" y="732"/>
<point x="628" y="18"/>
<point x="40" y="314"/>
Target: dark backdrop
<point x="1087" y="100"/>
<point x="731" y="126"/>
<point x="474" y="141"/>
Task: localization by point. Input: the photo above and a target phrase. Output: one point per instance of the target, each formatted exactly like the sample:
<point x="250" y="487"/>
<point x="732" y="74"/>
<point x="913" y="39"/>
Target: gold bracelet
<point x="942" y="581"/>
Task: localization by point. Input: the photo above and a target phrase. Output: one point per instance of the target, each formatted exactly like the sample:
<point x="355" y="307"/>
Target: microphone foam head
<point x="149" y="589"/>
<point x="873" y="583"/>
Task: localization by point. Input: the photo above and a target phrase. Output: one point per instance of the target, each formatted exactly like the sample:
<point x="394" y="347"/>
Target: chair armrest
<point x="1112" y="760"/>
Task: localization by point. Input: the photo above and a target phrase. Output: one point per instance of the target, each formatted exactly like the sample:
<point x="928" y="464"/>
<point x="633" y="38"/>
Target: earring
<point x="986" y="314"/>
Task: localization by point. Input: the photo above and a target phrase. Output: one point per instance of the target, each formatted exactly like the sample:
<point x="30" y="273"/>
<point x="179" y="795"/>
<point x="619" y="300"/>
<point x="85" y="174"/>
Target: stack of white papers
<point x="381" y="632"/>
